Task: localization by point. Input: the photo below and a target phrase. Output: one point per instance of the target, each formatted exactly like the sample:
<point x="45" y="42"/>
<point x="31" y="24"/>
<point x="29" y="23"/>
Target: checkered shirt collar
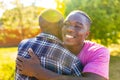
<point x="49" y="37"/>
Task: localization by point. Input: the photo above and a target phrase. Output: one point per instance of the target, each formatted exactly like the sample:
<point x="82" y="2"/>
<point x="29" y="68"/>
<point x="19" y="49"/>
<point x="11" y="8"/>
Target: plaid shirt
<point x="52" y="55"/>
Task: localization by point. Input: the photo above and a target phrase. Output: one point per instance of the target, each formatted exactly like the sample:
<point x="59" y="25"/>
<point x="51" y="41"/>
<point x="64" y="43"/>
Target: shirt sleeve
<point x="20" y="52"/>
<point x="99" y="63"/>
<point x="77" y="68"/>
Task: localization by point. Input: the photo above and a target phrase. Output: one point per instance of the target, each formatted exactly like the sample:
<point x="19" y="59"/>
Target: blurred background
<point x="19" y="20"/>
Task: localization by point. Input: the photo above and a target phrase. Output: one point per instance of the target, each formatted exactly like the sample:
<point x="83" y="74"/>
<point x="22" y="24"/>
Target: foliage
<point x="60" y="6"/>
<point x="12" y="36"/>
<point x="105" y="17"/>
<point x="21" y="22"/>
<point x="20" y="17"/>
<point x="24" y="16"/>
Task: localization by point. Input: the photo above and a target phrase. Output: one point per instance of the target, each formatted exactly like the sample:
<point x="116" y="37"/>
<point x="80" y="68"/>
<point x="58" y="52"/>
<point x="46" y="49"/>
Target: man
<point x="50" y="51"/>
<point x="94" y="57"/>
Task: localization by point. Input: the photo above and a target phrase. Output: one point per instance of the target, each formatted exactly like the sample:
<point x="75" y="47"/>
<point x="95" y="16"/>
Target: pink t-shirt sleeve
<point x="96" y="61"/>
<point x="99" y="65"/>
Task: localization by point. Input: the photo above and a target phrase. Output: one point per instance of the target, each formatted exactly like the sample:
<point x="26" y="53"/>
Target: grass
<point x="114" y="68"/>
<point x="114" y="62"/>
<point x="8" y="56"/>
<point x="7" y="63"/>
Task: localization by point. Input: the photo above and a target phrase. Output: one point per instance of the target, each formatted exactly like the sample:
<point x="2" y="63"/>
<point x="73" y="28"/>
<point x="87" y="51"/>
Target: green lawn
<point x="115" y="62"/>
<point x="8" y="56"/>
<point x="7" y="63"/>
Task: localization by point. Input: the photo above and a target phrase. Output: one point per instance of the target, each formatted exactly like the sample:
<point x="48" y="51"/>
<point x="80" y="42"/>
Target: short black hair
<point x="88" y="19"/>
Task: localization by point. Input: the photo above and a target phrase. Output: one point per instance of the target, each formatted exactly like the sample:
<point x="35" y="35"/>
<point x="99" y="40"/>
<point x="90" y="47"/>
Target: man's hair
<point x="50" y="16"/>
<point x="51" y="21"/>
<point x="88" y="19"/>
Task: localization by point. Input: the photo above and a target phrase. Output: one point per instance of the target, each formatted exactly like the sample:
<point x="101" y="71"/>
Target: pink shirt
<point x="95" y="59"/>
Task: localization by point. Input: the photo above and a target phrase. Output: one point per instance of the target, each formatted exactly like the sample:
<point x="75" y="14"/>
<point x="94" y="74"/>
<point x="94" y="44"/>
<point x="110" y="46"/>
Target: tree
<point x="21" y="17"/>
<point x="60" y="6"/>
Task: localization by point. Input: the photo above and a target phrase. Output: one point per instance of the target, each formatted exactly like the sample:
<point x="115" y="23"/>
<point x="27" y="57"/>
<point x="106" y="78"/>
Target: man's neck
<point x="75" y="49"/>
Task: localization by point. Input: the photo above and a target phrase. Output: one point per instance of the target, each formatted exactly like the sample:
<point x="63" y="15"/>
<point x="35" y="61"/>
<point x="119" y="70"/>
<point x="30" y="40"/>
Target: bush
<point x="12" y="36"/>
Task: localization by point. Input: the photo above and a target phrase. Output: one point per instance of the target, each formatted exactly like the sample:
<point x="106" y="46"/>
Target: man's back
<point x="51" y="54"/>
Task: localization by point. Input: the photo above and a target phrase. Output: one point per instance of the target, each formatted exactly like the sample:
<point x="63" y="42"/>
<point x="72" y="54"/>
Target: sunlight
<point x="41" y="3"/>
<point x="1" y="11"/>
<point x="46" y="3"/>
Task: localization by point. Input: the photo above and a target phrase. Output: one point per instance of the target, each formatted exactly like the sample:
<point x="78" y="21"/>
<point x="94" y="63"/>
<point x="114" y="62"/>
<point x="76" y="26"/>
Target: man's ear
<point x="87" y="34"/>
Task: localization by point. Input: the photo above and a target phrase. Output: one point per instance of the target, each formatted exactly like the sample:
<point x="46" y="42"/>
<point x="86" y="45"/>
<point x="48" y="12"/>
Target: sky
<point x="42" y="3"/>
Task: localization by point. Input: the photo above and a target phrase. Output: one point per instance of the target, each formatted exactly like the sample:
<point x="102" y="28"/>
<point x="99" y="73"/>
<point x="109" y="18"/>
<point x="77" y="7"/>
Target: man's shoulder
<point x="93" y="46"/>
<point x="50" y="38"/>
<point x="26" y="40"/>
<point x="91" y="43"/>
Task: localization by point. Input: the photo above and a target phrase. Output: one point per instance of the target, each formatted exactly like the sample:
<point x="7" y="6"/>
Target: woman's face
<point x="75" y="30"/>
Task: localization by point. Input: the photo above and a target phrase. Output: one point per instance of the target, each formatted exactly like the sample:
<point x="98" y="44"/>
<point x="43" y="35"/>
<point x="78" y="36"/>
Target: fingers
<point x="19" y="65"/>
<point x="19" y="71"/>
<point x="31" y="53"/>
<point x="20" y="58"/>
<point x="20" y="61"/>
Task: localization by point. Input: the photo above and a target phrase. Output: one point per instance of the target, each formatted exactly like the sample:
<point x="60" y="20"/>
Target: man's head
<point x="51" y="21"/>
<point x="76" y="28"/>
